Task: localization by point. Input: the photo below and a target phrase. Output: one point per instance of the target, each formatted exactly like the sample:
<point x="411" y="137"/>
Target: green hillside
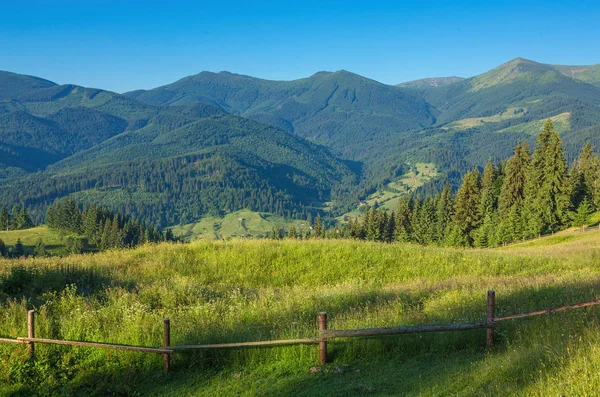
<point x="258" y="290"/>
<point x="341" y="110"/>
<point x="174" y="154"/>
<point x="238" y="224"/>
<point x="53" y="240"/>
<point x="165" y="165"/>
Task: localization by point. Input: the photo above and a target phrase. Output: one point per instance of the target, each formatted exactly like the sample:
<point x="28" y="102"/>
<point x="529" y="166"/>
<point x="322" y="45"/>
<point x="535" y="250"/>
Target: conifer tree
<point x="425" y="230"/>
<point x="4" y="218"/>
<point x="22" y="219"/>
<point x="466" y="212"/>
<point x="18" y="249"/>
<point x="588" y="165"/>
<point x="444" y="212"/>
<point x="548" y="198"/>
<point x="292" y="232"/>
<point x="318" y="227"/>
<point x="402" y="229"/>
<point x="40" y="248"/>
<point x="3" y="249"/>
<point x="582" y="216"/>
<point x="390" y="228"/>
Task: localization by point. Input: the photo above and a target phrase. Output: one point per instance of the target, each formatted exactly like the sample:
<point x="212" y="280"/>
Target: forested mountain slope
<point x="167" y="165"/>
<point x="340" y="110"/>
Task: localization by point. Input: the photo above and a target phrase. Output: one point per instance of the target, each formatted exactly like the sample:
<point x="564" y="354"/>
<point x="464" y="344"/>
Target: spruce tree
<point x="466" y="208"/>
<point x="4" y="218"/>
<point x="318" y="227"/>
<point x="402" y="229"/>
<point x="582" y="216"/>
<point x="18" y="250"/>
<point x="548" y="200"/>
<point x="292" y="232"/>
<point x="22" y="220"/>
<point x="3" y="249"/>
<point x="444" y="212"/>
<point x="40" y="248"/>
<point x="588" y="165"/>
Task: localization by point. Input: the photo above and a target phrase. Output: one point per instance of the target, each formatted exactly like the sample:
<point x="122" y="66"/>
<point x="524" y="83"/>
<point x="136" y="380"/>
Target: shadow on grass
<point x="31" y="283"/>
<point x="418" y="364"/>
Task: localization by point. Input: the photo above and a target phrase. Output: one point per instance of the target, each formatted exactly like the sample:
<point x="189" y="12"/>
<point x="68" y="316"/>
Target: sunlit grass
<point x="257" y="290"/>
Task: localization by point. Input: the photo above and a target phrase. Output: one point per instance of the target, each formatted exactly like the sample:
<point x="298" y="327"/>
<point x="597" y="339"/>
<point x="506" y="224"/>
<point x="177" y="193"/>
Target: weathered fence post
<point x="491" y="302"/>
<point x="167" y="343"/>
<point x="323" y="342"/>
<point x="31" y="332"/>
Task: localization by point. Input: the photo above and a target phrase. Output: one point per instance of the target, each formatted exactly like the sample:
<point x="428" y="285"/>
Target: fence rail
<point x="324" y="334"/>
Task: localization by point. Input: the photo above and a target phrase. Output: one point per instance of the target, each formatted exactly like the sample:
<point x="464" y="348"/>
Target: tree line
<point x="101" y="227"/>
<point x="16" y="219"/>
<point x="528" y="195"/>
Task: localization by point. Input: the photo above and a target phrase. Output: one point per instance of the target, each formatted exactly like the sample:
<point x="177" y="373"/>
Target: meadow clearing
<point x="250" y="290"/>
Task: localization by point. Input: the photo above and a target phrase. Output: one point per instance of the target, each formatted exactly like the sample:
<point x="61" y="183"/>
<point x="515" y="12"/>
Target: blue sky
<point x="123" y="46"/>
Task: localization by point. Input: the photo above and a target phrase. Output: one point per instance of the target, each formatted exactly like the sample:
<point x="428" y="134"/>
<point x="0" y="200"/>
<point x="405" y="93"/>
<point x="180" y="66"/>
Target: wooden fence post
<point x="31" y="332"/>
<point x="491" y="302"/>
<point x="167" y="343"/>
<point x="323" y="342"/>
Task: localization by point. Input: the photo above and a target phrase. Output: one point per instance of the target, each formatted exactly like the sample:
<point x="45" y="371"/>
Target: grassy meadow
<point x="53" y="240"/>
<point x="246" y="290"/>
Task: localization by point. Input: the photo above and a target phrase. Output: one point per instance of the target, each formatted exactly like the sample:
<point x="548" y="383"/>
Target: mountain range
<point x="213" y="143"/>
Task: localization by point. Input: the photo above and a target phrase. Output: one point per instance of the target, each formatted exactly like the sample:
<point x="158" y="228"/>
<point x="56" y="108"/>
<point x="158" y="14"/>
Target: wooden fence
<point x="324" y="334"/>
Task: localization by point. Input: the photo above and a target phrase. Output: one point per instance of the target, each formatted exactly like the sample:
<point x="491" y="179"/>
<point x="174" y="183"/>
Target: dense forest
<point x="524" y="197"/>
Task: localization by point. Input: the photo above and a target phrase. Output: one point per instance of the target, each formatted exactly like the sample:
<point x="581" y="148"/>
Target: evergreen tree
<point x="5" y="220"/>
<point x="318" y="227"/>
<point x="588" y="165"/>
<point x="3" y="250"/>
<point x="512" y="193"/>
<point x="425" y="229"/>
<point x="18" y="250"/>
<point x="292" y="232"/>
<point x="40" y="248"/>
<point x="582" y="216"/>
<point x="466" y="208"/>
<point x="22" y="219"/>
<point x="444" y="212"/>
<point x="402" y="230"/>
<point x="548" y="198"/>
<point x="390" y="229"/>
<point x="488" y="200"/>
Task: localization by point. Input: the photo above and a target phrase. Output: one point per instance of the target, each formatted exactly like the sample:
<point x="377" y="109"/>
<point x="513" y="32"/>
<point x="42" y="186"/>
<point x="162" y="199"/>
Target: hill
<point x="165" y="165"/>
<point x="261" y="290"/>
<point x="340" y="110"/>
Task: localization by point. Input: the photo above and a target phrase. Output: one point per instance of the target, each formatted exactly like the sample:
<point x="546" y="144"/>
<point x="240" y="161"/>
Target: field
<point x="245" y="290"/>
<point x="240" y="224"/>
<point x="52" y="239"/>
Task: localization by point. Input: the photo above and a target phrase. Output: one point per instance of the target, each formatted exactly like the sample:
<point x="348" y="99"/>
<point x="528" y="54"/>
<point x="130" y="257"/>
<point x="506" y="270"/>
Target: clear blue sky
<point x="125" y="45"/>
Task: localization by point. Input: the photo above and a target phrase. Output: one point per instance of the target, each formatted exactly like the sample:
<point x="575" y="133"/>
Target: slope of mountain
<point x="217" y="143"/>
<point x="431" y="82"/>
<point x="589" y="74"/>
<point x="340" y="110"/>
<point x="519" y="83"/>
<point x="167" y="164"/>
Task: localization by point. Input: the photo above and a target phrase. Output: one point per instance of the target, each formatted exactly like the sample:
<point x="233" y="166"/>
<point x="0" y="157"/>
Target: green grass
<point x="389" y="196"/>
<point x="238" y="224"/>
<point x="562" y="123"/>
<point x="241" y="290"/>
<point x="29" y="237"/>
<point x="510" y="113"/>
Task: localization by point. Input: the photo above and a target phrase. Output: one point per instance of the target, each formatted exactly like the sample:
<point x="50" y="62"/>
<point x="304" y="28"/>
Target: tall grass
<point x="256" y="290"/>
